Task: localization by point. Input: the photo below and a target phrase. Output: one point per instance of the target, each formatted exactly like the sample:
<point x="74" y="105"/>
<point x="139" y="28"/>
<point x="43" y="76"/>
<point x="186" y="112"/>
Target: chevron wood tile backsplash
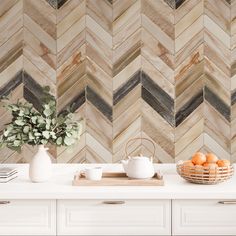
<point x="159" y="69"/>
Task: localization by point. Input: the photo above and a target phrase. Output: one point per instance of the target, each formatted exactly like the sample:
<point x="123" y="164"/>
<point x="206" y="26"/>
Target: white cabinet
<point x="121" y="217"/>
<point x="101" y="217"/>
<point x="203" y="217"/>
<point x="28" y="217"/>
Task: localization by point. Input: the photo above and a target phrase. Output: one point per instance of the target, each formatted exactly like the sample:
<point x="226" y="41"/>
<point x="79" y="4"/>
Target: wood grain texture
<point x="163" y="70"/>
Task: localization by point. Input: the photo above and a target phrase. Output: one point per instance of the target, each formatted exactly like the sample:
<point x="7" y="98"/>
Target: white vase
<point x="40" y="168"/>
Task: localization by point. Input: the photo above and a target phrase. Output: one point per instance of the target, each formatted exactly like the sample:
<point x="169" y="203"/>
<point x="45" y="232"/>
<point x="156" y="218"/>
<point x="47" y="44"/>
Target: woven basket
<point x="205" y="175"/>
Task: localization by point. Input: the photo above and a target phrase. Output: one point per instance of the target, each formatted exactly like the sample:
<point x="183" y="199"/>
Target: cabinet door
<point x="28" y="217"/>
<point x="204" y="217"/>
<point x="103" y="217"/>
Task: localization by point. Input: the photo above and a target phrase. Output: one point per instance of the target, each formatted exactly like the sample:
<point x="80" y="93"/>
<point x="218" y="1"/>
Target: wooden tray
<point x="116" y="179"/>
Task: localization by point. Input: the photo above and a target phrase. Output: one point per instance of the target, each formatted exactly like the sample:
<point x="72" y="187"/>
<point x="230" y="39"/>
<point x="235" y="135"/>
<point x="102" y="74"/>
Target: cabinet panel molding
<point x="104" y="217"/>
<point x="28" y="217"/>
<point x="203" y="217"/>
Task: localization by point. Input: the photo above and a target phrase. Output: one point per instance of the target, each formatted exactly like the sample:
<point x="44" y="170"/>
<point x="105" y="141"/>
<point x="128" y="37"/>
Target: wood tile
<point x="160" y="14"/>
<point x="66" y="9"/>
<point x="42" y="15"/>
<point x="158" y="129"/>
<point x="185" y="9"/>
<point x="71" y="18"/>
<point x="93" y="26"/>
<point x="101" y="12"/>
<point x="133" y="130"/>
<point x="164" y="70"/>
<point x="11" y="20"/>
<point x="189" y="136"/>
<point x="123" y="121"/>
<point x="195" y="146"/>
<point x="186" y="36"/>
<point x="217" y="31"/>
<point x="219" y="13"/>
<point x="216" y="73"/>
<point x="215" y="147"/>
<point x="158" y="77"/>
<point x="94" y="144"/>
<point x="157" y="32"/>
<point x="72" y="32"/>
<point x="98" y="126"/>
<point x="189" y="18"/>
<point x="124" y="75"/>
<point x="42" y="35"/>
<point x="122" y="106"/>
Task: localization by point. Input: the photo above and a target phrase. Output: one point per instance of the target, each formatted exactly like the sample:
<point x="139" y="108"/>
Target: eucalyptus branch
<point x="29" y="126"/>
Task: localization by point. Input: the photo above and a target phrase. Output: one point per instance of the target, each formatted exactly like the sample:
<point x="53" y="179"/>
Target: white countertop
<point x="60" y="186"/>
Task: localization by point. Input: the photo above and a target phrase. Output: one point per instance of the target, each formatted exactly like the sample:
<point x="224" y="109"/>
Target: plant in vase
<point x="39" y="128"/>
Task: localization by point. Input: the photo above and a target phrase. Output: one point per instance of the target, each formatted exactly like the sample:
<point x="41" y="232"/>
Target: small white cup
<point x="94" y="173"/>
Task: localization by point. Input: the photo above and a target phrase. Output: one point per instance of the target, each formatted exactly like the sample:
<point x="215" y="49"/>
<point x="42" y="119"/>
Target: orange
<point x="211" y="158"/>
<point x="188" y="163"/>
<point x="223" y="163"/>
<point x="198" y="158"/>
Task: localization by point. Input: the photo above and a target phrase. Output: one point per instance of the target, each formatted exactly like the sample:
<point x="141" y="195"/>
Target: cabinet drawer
<point x="28" y="217"/>
<point x="204" y="217"/>
<point x="102" y="217"/>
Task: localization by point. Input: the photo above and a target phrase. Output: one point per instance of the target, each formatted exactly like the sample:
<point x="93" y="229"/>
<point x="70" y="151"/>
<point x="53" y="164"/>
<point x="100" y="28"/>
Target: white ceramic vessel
<point x="40" y="168"/>
<point x="94" y="173"/>
<point x="139" y="167"/>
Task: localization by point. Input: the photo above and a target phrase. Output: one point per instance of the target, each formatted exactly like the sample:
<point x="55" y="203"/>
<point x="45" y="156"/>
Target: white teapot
<point x="139" y="167"/>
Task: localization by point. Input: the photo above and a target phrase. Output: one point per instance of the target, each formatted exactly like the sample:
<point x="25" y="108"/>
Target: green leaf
<point x="40" y="120"/>
<point x="17" y="143"/>
<point x="26" y="129"/>
<point x="34" y="119"/>
<point x="69" y="141"/>
<point x="31" y="136"/>
<point x="11" y="138"/>
<point x="14" y="107"/>
<point x="44" y="141"/>
<point x="19" y="122"/>
<point x="59" y="141"/>
<point x="7" y="131"/>
<point x="33" y="127"/>
<point x="21" y="113"/>
<point x="37" y="134"/>
<point x="53" y="121"/>
<point x="47" y="112"/>
<point x="46" y="134"/>
<point x="70" y="116"/>
<point x="52" y="104"/>
<point x="27" y="111"/>
<point x="53" y="135"/>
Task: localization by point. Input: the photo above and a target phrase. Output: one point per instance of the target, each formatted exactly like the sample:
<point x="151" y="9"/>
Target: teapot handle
<point x="133" y="139"/>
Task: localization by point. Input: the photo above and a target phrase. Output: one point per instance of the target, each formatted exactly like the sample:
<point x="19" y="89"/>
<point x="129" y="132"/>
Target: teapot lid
<point x="140" y="157"/>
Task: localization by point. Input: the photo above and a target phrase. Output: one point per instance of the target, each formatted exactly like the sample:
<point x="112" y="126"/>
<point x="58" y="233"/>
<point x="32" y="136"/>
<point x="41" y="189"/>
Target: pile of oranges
<point x="210" y="160"/>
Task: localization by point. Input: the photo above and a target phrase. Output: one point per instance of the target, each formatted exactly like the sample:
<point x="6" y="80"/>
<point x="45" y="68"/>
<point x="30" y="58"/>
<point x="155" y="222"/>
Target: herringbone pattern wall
<point x="159" y="69"/>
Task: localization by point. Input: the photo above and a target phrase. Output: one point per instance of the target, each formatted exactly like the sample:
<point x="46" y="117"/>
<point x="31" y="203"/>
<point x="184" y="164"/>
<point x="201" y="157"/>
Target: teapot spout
<point x="125" y="164"/>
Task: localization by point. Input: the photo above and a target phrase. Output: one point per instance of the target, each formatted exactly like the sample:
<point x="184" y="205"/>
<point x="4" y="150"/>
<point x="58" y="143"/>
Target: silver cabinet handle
<point x="114" y="202"/>
<point x="4" y="202"/>
<point x="227" y="202"/>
